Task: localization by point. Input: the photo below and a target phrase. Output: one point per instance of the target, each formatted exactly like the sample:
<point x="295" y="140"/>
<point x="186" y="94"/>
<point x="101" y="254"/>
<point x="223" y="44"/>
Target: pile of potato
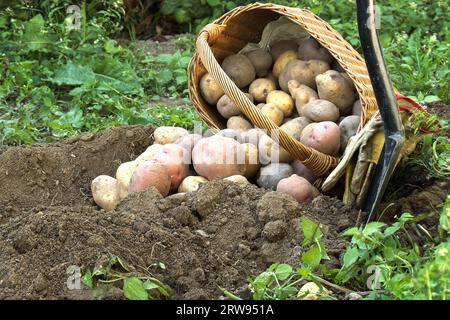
<point x="298" y="85"/>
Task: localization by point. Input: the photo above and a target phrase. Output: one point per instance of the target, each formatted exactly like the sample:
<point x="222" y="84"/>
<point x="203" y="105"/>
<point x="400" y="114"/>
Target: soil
<point x="210" y="239"/>
<point x="207" y="239"/>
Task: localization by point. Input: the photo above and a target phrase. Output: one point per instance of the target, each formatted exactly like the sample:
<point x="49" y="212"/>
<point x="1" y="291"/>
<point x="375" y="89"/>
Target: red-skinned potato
<point x="217" y="157"/>
<point x="166" y="135"/>
<point x="270" y="175"/>
<point x="323" y="136"/>
<point x="297" y="187"/>
<point x="188" y="142"/>
<point x="150" y="174"/>
<point x="123" y="175"/>
<point x="105" y="192"/>
<point x="303" y="171"/>
<point x="310" y="49"/>
<point x="176" y="161"/>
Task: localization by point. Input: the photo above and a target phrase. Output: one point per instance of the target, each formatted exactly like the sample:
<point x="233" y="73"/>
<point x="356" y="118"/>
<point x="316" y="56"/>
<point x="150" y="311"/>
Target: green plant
<point x="135" y="285"/>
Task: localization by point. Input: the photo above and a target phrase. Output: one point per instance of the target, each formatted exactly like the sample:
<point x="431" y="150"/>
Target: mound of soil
<point x="207" y="239"/>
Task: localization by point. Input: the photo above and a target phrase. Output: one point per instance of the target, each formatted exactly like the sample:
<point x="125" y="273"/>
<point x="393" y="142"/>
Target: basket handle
<point x="318" y="162"/>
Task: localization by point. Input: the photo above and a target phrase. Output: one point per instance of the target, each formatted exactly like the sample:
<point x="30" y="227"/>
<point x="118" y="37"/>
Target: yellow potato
<point x="251" y="156"/>
<point x="282" y="101"/>
<point x="123" y="175"/>
<point x="273" y="113"/>
<point x="282" y="61"/>
<point x="241" y="180"/>
<point x="210" y="89"/>
<point x="105" y="193"/>
<point x="149" y="154"/>
<point x="166" y="135"/>
<point x="304" y="72"/>
<point x="302" y="95"/>
<point x="239" y="123"/>
<point x="191" y="183"/>
<point x="260" y="88"/>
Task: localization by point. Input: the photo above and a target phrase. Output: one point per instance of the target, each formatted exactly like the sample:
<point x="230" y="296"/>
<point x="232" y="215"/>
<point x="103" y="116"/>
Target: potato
<point x="304" y="72"/>
<point x="282" y="101"/>
<point x="260" y="88"/>
<point x="270" y="175"/>
<point x="260" y="105"/>
<point x="239" y="123"/>
<point x="150" y="174"/>
<point x="302" y="95"/>
<point x="230" y="133"/>
<point x="123" y="176"/>
<point x="240" y="180"/>
<point x="357" y="108"/>
<point x="176" y="160"/>
<point x="334" y="87"/>
<point x="240" y="69"/>
<point x="191" y="183"/>
<point x="217" y="157"/>
<point x="322" y="136"/>
<point x="252" y="164"/>
<point x="279" y="47"/>
<point x="303" y="171"/>
<point x="311" y="291"/>
<point x="210" y="89"/>
<point x="321" y="110"/>
<point x="271" y="151"/>
<point x="295" y="127"/>
<point x="227" y="108"/>
<point x="261" y="60"/>
<point x="252" y="136"/>
<point x="273" y="113"/>
<point x="150" y="152"/>
<point x="188" y="142"/>
<point x="297" y="187"/>
<point x="282" y="61"/>
<point x="348" y="127"/>
<point x="310" y="49"/>
<point x="166" y="135"/>
<point x="105" y="192"/>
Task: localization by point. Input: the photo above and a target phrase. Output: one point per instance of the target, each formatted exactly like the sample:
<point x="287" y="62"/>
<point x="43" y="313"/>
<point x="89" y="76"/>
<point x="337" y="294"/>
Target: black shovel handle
<point x="387" y="103"/>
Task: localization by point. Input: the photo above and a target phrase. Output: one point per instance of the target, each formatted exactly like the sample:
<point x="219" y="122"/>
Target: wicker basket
<point x="230" y="33"/>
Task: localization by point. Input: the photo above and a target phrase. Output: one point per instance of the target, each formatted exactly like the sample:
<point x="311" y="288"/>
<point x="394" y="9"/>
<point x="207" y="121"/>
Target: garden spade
<point x="394" y="132"/>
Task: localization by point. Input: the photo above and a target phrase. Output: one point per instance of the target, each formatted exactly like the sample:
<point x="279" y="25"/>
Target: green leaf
<point x="213" y="3"/>
<point x="311" y="231"/>
<point x="86" y="279"/>
<point x="133" y="289"/>
<point x="283" y="271"/>
<point x="149" y="285"/>
<point x="72" y="74"/>
<point x="312" y="257"/>
<point x="351" y="232"/>
<point x="372" y="227"/>
<point x="36" y="37"/>
<point x="263" y="280"/>
<point x="351" y="255"/>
